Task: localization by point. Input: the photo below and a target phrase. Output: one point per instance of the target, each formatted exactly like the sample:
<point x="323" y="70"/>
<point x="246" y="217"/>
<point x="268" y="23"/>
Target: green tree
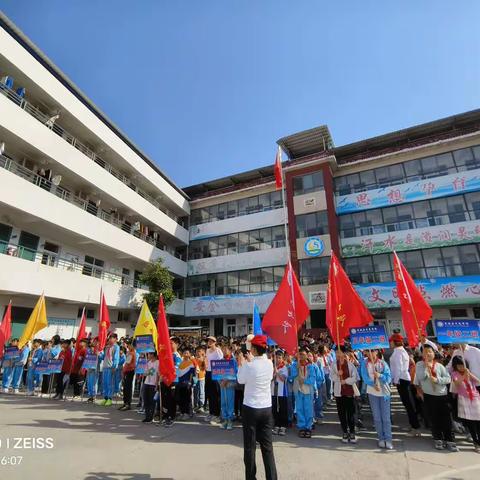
<point x="159" y="280"/>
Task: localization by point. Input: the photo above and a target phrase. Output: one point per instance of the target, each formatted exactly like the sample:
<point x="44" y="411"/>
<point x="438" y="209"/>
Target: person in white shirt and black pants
<point x="255" y="371"/>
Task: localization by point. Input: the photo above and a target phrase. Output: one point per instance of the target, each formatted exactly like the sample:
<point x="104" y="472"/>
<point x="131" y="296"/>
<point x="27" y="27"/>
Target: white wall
<point x="27" y="197"/>
<point x="23" y="125"/>
<point x="242" y="223"/>
<point x="239" y="261"/>
<point x="177" y="307"/>
<point x="21" y="276"/>
<point x="18" y="56"/>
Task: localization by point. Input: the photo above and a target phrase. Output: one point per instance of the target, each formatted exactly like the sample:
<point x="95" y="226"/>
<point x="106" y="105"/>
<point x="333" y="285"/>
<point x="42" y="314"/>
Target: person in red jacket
<point x="77" y="376"/>
<point x="63" y="377"/>
<point x="128" y="375"/>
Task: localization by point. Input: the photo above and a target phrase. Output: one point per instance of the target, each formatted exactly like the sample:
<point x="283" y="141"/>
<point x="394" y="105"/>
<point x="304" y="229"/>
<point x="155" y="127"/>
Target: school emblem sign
<point x="314" y="246"/>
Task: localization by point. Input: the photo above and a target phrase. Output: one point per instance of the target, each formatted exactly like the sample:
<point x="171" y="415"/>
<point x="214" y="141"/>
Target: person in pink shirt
<point x="465" y="384"/>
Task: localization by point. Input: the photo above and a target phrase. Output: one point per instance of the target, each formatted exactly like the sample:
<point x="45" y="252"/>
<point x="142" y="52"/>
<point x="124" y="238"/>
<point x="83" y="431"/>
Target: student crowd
<point x="439" y="386"/>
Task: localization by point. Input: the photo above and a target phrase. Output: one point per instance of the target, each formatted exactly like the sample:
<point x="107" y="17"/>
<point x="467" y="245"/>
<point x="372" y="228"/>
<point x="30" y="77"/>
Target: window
<point x="89" y="313"/>
<point x="458" y="313"/>
<point x="312" y="182"/>
<point x="314" y="271"/>
<point x="123" y="316"/>
<point x="235" y="208"/>
<point x="93" y="267"/>
<point x="315" y="223"/>
<point x="262" y="239"/>
<point x="239" y="282"/>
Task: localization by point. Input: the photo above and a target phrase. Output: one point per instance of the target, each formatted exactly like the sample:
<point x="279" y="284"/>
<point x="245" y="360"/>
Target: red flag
<point x="287" y="313"/>
<point x="103" y="323"/>
<point x="345" y="308"/>
<point x="416" y="312"/>
<point x="278" y="169"/>
<point x="164" y="348"/>
<point x="82" y="333"/>
<point x="6" y="328"/>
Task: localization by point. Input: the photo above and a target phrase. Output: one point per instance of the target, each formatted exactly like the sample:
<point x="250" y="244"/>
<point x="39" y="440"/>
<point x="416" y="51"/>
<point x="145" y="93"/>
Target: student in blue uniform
<point x="110" y="357"/>
<point x="118" y="371"/>
<point x="18" y="367"/>
<point x="303" y="374"/>
<point x="8" y="368"/>
<point x="33" y="378"/>
<point x="92" y="373"/>
<point x="279" y="395"/>
<point x="317" y="394"/>
<point x="227" y="392"/>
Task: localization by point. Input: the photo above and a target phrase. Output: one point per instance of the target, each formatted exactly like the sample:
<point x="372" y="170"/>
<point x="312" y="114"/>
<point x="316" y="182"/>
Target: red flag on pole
<point x="81" y="335"/>
<point x="416" y="312"/>
<point x="103" y="323"/>
<point x="6" y="328"/>
<point x="278" y="169"/>
<point x="287" y="313"/>
<point x="164" y="347"/>
<point x="345" y="308"/>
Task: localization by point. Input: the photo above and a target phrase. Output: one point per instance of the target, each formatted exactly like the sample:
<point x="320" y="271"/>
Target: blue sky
<point x="206" y="87"/>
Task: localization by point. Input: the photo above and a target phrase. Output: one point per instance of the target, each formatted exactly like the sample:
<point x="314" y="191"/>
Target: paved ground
<point x="98" y="443"/>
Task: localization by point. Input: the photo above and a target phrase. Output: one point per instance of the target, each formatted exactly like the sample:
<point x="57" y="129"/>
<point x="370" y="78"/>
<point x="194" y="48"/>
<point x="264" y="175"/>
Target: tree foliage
<point x="159" y="281"/>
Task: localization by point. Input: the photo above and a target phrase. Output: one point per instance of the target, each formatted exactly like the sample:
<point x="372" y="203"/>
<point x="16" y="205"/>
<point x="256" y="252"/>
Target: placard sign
<point x="458" y="331"/>
<point x="90" y="361"/>
<point x="141" y="367"/>
<point x="41" y="368"/>
<point x="223" y="370"/>
<point x="368" y="338"/>
<point x="55" y="366"/>
<point x="144" y="344"/>
<point x="11" y="353"/>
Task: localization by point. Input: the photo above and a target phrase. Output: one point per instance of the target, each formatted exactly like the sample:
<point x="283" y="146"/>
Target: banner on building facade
<point x="437" y="292"/>
<point x="461" y="182"/>
<point x="227" y="304"/>
<point x="438" y="236"/>
<point x="457" y="331"/>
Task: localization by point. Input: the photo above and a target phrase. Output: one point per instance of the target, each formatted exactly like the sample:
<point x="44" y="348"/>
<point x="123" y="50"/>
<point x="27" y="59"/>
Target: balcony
<point x="12" y="166"/>
<point x="30" y="272"/>
<point x="36" y="201"/>
<point x="51" y="123"/>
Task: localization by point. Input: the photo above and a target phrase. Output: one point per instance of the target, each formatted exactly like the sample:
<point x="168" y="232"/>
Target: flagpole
<point x="287" y="244"/>
<point x="409" y="297"/>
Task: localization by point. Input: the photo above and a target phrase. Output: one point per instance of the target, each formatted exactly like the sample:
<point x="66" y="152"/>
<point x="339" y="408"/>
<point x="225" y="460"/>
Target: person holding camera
<point x="255" y="371"/>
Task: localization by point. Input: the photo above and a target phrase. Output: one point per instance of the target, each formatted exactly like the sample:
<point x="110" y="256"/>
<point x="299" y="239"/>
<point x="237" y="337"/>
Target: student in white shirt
<point x="212" y="388"/>
<point x="400" y="369"/>
<point x="279" y="394"/>
<point x="256" y="373"/>
<point x="150" y="386"/>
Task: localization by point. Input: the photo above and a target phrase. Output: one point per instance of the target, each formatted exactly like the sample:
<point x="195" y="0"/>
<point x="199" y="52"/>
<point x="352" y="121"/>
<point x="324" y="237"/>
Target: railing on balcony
<point x="50" y="122"/>
<point x="69" y="264"/>
<point x="23" y="172"/>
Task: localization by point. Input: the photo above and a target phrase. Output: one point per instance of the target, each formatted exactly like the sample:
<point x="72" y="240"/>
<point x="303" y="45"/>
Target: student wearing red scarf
<point x="431" y="380"/>
<point x="279" y="394"/>
<point x="464" y="384"/>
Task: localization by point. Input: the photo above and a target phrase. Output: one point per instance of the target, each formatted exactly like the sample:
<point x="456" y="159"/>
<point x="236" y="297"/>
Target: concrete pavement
<point x="98" y="443"/>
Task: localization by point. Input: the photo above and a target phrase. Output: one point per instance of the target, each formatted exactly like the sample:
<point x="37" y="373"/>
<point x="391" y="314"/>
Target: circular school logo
<point x="353" y="330"/>
<point x="314" y="246"/>
<point x="440" y="324"/>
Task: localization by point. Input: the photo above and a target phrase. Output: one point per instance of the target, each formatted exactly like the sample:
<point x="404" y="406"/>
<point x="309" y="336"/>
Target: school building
<point x="83" y="208"/>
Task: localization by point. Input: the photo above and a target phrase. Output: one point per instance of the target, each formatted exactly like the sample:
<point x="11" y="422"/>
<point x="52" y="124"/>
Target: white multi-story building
<point x="237" y="251"/>
<point x="81" y="207"/>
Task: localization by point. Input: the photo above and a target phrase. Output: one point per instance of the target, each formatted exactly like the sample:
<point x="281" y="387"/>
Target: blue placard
<point x="223" y="370"/>
<point x="141" y="367"/>
<point x="144" y="344"/>
<point x="11" y="353"/>
<point x="368" y="338"/>
<point x="90" y="361"/>
<point x="41" y="368"/>
<point x="55" y="366"/>
<point x="458" y="331"/>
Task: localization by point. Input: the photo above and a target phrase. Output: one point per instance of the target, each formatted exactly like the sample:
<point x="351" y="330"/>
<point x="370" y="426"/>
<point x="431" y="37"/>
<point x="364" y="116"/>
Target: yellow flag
<point x="36" y="322"/>
<point x="145" y="324"/>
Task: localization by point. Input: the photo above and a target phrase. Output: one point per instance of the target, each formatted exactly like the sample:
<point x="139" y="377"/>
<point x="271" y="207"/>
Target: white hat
<point x="248" y="342"/>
